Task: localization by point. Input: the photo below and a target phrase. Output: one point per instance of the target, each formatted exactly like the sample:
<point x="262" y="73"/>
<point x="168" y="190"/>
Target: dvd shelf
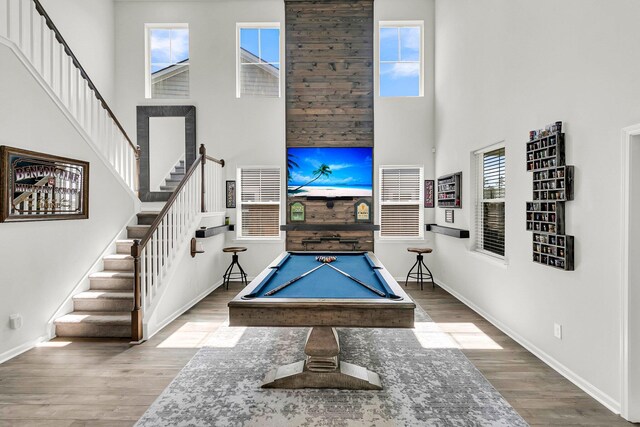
<point x="450" y="190"/>
<point x="552" y="187"/>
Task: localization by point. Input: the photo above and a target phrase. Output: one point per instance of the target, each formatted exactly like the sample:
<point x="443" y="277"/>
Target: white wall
<point x="251" y="131"/>
<point x="88" y="27"/>
<point x="166" y="148"/>
<point x="42" y="262"/>
<point x="245" y="131"/>
<point x="504" y="67"/>
<point x="404" y="126"/>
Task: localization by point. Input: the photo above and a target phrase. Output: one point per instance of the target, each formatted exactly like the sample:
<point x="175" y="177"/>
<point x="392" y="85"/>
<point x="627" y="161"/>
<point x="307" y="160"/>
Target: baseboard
<point x="16" y="351"/>
<point x="584" y="385"/>
<point x="173" y="316"/>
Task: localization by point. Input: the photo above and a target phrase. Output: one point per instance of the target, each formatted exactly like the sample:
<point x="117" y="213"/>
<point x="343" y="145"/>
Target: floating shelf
<point x="448" y="231"/>
<point x="213" y="231"/>
<point x="330" y="227"/>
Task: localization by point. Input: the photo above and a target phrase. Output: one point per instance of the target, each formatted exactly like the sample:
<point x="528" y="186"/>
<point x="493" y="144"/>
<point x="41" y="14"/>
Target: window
<point x="490" y="203"/>
<point x="401" y="58"/>
<point x="259" y="215"/>
<point x="167" y="62"/>
<point x="258" y="63"/>
<point x="401" y="193"/>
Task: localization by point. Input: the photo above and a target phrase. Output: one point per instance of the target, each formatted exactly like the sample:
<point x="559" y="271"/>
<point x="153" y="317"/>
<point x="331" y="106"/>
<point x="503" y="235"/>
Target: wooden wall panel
<point x="329" y="99"/>
<point x="329" y="77"/>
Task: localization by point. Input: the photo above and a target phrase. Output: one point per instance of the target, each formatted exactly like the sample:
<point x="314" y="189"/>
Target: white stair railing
<point x="199" y="191"/>
<point x="26" y="27"/>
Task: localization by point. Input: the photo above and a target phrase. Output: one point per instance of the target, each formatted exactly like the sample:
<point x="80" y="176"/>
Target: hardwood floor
<point x="109" y="383"/>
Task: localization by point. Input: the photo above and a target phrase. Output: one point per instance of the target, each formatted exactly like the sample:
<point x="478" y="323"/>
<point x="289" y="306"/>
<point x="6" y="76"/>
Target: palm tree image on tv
<point x="323" y="170"/>
<point x="329" y="172"/>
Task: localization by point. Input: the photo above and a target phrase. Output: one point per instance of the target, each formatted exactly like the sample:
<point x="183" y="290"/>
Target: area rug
<point x="423" y="386"/>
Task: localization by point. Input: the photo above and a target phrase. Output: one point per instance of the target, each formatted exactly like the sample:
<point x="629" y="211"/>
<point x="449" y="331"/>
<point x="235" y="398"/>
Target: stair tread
<point x="117" y="256"/>
<point x="138" y="226"/>
<point x="96" y="317"/>
<point x="111" y="274"/>
<point x="104" y="294"/>
<point x="148" y="213"/>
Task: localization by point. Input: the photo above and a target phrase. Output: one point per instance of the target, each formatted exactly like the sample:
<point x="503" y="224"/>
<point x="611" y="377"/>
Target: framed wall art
<point x="428" y="193"/>
<point x="231" y="194"/>
<point x="42" y="187"/>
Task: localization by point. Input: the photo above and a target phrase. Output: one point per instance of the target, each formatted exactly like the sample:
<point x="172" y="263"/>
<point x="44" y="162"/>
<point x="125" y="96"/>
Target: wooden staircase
<point x="105" y="309"/>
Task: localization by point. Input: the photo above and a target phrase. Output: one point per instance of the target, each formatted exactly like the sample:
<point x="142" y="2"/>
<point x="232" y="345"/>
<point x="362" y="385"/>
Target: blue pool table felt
<point x="324" y="282"/>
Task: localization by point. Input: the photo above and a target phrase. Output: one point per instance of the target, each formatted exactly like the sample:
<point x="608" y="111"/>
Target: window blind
<point x="259" y="202"/>
<point x="401" y="193"/>
<point x="490" y="215"/>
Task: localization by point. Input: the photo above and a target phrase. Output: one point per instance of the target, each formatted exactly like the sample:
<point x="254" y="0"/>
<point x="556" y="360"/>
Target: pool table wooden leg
<point x="322" y="367"/>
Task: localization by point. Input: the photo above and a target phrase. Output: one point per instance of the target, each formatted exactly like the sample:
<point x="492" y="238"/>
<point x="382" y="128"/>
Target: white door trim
<point x="631" y="414"/>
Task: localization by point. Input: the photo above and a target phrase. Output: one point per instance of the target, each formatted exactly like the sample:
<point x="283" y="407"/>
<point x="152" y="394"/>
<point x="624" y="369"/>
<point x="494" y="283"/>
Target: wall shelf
<point x="450" y="191"/>
<point x="448" y="231"/>
<point x="552" y="187"/>
<point x="213" y="231"/>
<point x="553" y="250"/>
<point x="330" y="227"/>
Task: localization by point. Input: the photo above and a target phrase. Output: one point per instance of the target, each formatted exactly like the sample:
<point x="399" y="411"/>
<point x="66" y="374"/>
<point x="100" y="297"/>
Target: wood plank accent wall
<point x="329" y="99"/>
<point x="329" y="73"/>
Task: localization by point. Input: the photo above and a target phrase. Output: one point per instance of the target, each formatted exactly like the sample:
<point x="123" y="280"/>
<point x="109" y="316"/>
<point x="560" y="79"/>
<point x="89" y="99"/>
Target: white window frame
<point x="147" y="53"/>
<point x="257" y="25"/>
<point x="479" y="198"/>
<point x="239" y="203"/>
<point x="419" y="203"/>
<point x="400" y="24"/>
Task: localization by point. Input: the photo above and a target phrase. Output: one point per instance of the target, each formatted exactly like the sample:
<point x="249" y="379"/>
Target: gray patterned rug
<point x="423" y="385"/>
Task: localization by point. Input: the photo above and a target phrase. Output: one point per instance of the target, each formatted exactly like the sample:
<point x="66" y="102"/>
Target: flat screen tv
<point x="327" y="172"/>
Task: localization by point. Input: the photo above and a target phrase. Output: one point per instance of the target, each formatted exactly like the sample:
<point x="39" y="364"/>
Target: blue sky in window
<point x="168" y="47"/>
<point x="263" y="43"/>
<point x="399" y="78"/>
<point x="349" y="166"/>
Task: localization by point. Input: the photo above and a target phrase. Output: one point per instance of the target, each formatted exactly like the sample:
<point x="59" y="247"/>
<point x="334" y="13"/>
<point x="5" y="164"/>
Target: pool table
<point x="354" y="290"/>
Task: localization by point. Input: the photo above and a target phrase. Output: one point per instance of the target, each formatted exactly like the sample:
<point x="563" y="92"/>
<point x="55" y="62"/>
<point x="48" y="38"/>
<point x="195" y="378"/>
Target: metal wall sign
<point x="36" y="186"/>
<point x="363" y="210"/>
<point x="296" y="213"/>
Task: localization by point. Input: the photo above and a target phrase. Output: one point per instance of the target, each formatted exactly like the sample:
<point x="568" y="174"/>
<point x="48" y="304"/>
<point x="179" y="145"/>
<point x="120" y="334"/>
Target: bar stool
<point x="229" y="274"/>
<point x="420" y="275"/>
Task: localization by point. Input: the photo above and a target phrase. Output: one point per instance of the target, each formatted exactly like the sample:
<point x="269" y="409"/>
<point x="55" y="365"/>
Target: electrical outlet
<point x="557" y="330"/>
<point x="15" y="321"/>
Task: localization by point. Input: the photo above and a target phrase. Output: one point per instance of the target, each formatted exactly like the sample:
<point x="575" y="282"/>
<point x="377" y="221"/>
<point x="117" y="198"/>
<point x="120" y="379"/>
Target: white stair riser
<point x="123" y="248"/>
<point x="136" y="232"/>
<point x="93" y="330"/>
<point x="102" y="304"/>
<point x="111" y="283"/>
<point x="118" y="264"/>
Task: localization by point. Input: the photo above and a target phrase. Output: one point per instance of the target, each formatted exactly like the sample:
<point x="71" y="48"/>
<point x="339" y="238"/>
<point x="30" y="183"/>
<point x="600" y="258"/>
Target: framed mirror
<point x="167" y="140"/>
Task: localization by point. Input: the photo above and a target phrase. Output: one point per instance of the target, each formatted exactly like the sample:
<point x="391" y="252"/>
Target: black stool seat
<point x="420" y="275"/>
<point x="229" y="274"/>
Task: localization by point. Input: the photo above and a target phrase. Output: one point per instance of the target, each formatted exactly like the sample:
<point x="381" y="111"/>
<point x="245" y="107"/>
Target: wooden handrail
<point x="83" y="73"/>
<point x="139" y="245"/>
<point x="211" y="159"/>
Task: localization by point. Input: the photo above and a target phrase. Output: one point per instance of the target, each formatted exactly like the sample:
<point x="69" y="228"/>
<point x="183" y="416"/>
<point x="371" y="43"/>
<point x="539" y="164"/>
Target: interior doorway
<point x="630" y="295"/>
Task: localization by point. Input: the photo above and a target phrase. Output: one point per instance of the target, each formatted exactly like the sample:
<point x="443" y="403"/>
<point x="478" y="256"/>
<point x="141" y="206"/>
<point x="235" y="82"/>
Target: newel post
<point x="203" y="159"/>
<point x="136" y="314"/>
